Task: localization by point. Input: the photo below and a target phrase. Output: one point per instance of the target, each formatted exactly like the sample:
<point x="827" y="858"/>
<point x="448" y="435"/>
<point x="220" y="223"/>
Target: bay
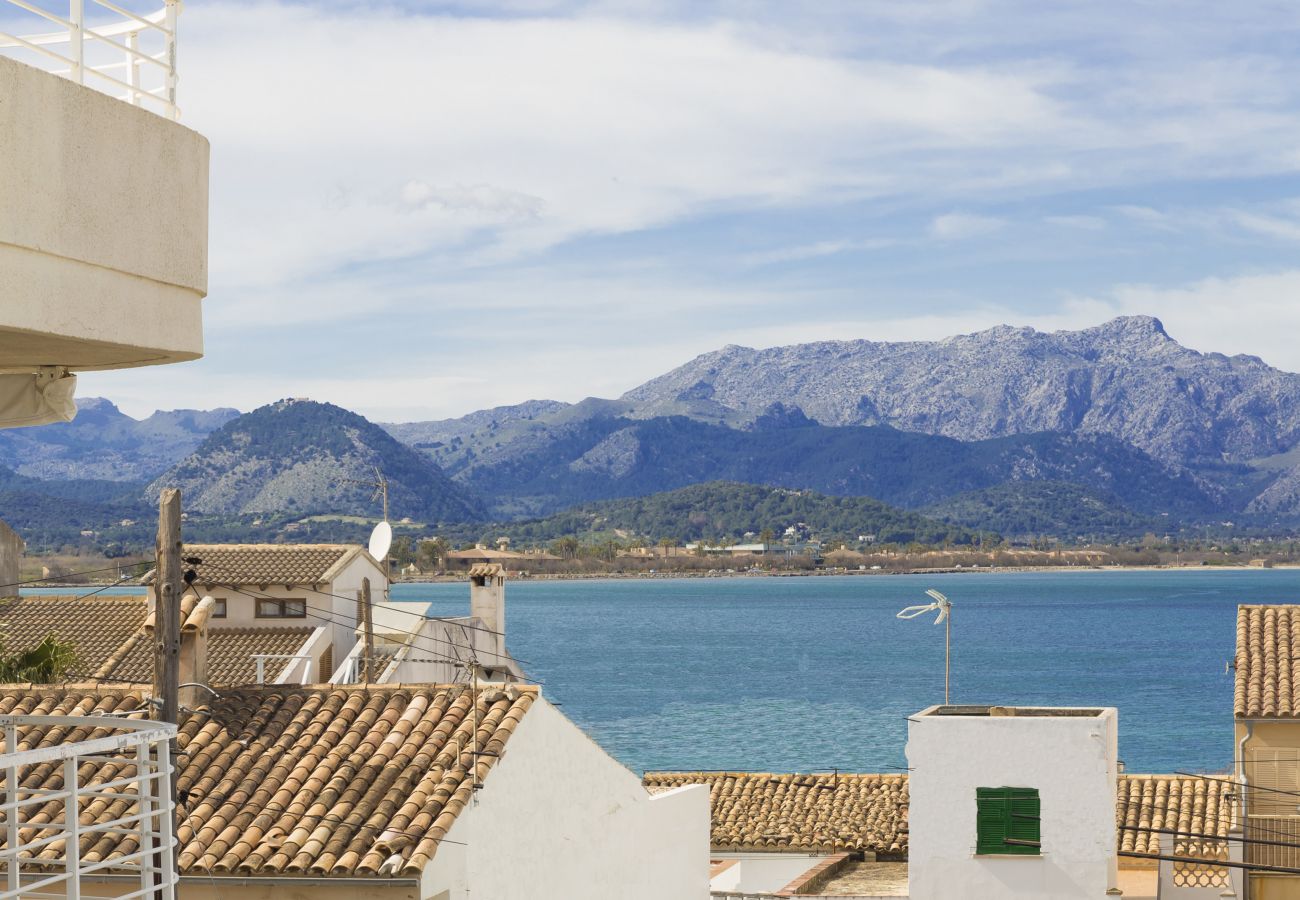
<point x="817" y="673"/>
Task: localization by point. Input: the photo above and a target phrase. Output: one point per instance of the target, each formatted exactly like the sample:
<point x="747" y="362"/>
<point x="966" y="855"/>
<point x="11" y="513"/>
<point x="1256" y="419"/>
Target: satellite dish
<point x="380" y="540"/>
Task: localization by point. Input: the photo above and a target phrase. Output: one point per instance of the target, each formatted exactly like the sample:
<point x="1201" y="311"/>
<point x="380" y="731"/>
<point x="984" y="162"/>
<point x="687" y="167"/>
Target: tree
<point x="401" y="553"/>
<point x="566" y="547"/>
<point x="433" y="553"/>
<point x="46" y="663"/>
<point x="667" y="544"/>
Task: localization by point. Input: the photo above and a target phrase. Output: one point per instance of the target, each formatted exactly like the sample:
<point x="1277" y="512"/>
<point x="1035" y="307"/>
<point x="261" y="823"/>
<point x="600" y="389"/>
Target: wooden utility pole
<point x="367" y="622"/>
<point x="167" y="587"/>
<point x="167" y="628"/>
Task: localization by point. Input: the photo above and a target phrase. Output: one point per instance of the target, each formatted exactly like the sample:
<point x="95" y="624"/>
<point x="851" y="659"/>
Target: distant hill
<point x="297" y="457"/>
<point x="602" y="458"/>
<point x="102" y="442"/>
<point x="720" y="509"/>
<point x="1024" y="509"/>
<point x="1127" y="379"/>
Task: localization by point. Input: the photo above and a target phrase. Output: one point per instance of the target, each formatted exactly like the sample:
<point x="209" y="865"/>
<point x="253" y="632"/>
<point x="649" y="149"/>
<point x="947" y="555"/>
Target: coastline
<point x="821" y="573"/>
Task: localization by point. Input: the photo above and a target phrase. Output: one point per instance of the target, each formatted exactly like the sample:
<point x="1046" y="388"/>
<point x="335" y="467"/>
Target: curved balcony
<point x="86" y="811"/>
<point x="103" y="199"/>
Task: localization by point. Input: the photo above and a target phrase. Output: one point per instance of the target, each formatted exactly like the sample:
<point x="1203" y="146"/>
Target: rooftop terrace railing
<point x="62" y="804"/>
<point x="109" y="48"/>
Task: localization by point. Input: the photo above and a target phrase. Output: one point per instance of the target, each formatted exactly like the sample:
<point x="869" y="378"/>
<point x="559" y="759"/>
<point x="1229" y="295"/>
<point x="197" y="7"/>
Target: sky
<point x="423" y="209"/>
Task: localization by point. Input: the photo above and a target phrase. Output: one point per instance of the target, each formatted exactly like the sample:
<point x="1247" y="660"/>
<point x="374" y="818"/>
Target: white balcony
<point x="103" y="196"/>
<point x="63" y="798"/>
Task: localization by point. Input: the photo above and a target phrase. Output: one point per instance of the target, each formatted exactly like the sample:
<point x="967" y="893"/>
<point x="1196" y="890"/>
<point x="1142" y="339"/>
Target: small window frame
<point x="219" y="609"/>
<point x="281" y="608"/>
<point x="1004" y="813"/>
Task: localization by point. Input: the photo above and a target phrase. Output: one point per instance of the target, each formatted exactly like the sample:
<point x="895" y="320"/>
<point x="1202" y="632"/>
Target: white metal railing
<point x="261" y="658"/>
<point x="120" y="782"/>
<point x="129" y="55"/>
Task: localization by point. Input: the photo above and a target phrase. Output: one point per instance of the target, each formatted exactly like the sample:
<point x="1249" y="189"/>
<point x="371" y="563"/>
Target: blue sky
<point x="423" y="209"/>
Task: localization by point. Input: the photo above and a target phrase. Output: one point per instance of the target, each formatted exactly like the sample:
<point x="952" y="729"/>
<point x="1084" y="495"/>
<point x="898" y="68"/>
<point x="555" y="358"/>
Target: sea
<point x="813" y="674"/>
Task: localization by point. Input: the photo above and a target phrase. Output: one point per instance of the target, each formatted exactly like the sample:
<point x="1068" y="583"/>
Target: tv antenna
<point x="944" y="607"/>
<point x="380" y="484"/>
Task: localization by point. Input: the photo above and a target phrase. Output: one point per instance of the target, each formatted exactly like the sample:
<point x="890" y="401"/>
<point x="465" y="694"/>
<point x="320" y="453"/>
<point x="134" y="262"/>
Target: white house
<point x="402" y="792"/>
<point x="1016" y="803"/>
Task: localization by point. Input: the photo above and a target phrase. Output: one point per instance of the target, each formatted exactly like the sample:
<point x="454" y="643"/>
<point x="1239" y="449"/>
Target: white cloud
<point x="346" y="136"/>
<point x="818" y="250"/>
<point x="1084" y="223"/>
<point x="956" y="226"/>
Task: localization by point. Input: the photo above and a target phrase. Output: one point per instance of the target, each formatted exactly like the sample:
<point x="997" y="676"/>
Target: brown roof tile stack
<point x="1268" y="662"/>
<point x="837" y="812"/>
<point x="259" y="564"/>
<point x="314" y="781"/>
<point x="1172" y="803"/>
<point x="98" y="627"/>
<point x="230" y="653"/>
<point x="765" y="811"/>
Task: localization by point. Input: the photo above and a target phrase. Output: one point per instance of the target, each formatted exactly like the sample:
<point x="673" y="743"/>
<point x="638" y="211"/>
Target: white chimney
<point x="487" y="603"/>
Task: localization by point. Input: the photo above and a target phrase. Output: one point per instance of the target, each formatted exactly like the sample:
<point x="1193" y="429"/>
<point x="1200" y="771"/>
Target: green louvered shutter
<point x="1023" y="820"/>
<point x="1003" y="813"/>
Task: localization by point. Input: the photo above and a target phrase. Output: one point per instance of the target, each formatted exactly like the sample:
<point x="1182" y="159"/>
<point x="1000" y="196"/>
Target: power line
<point x="327" y="616"/>
<point x="68" y="575"/>
<point x="407" y="612"/>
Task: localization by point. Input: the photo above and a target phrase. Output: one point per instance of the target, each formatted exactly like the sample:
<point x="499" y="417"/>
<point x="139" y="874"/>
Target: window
<point x="219" y="608"/>
<point x="281" y="609"/>
<point x="1007" y="821"/>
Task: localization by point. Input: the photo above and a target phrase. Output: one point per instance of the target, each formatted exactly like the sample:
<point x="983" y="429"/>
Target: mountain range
<point x="1112" y="429"/>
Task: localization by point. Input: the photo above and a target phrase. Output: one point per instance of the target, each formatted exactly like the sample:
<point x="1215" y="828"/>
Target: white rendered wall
<point x="763" y="872"/>
<point x="103" y="228"/>
<point x="1072" y="761"/>
<point x="558" y="819"/>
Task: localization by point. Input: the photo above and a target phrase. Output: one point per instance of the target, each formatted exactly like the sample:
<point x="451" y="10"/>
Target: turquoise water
<point x="799" y="674"/>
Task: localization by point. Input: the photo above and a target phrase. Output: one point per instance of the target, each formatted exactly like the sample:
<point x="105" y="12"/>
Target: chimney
<point x="11" y="554"/>
<point x="195" y="613"/>
<point x="487" y="603"/>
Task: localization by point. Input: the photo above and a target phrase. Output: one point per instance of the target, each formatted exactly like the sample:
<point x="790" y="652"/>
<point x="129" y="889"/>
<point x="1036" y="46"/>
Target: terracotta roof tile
<point x="111" y="638"/>
<point x="766" y="811"/>
<point x="97" y="627"/>
<point x="230" y="652"/>
<point x="842" y="812"/>
<point x="321" y="780"/>
<point x="265" y="563"/>
<point x="1268" y="662"/>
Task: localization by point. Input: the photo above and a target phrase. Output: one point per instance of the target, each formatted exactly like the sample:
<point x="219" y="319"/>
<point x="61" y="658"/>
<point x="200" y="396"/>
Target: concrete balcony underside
<point x="103" y="228"/>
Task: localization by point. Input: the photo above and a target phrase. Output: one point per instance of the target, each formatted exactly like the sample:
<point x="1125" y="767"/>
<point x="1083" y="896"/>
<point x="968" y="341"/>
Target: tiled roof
<point x="97" y="627"/>
<point x="111" y="640"/>
<point x="265" y="563"/>
<point x="765" y="811"/>
<point x="1268" y="662"/>
<point x="313" y="781"/>
<point x="230" y="652"/>
<point x="837" y="812"/>
<point x="1173" y="803"/>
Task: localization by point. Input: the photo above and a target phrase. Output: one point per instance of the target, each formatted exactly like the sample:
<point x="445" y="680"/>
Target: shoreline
<point x="457" y="578"/>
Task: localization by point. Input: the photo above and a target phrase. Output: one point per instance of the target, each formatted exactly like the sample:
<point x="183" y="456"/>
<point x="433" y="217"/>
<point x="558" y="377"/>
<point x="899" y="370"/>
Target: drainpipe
<point x="1241" y="769"/>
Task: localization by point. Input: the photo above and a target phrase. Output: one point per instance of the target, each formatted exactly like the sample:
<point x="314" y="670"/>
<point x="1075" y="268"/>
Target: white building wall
<point x="103" y="228"/>
<point x="1072" y="761"/>
<point x="558" y="818"/>
<point x="763" y="872"/>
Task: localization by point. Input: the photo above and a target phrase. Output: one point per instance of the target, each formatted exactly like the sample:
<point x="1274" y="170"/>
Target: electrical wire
<point x="68" y="575"/>
<point x="422" y="616"/>
<point x="406" y="612"/>
<point x="327" y="617"/>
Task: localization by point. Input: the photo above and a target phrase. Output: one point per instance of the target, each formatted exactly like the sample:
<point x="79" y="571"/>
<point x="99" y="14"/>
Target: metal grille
<point x="112" y="49"/>
<point x="61" y="800"/>
<point x="1279" y="830"/>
